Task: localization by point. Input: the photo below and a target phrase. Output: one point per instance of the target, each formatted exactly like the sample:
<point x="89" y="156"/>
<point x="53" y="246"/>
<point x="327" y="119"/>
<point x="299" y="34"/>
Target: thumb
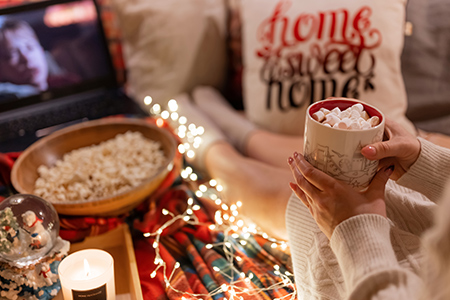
<point x="378" y="182"/>
<point x="381" y="150"/>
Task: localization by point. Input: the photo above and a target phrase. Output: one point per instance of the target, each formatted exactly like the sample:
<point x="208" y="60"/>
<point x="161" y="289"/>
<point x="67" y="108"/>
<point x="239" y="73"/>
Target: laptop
<point x="55" y="70"/>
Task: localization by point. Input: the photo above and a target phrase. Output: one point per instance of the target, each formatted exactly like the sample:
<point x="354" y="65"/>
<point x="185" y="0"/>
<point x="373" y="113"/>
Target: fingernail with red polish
<point x="370" y="150"/>
<point x="389" y="170"/>
<point x="295" y="154"/>
<point x="290" y="160"/>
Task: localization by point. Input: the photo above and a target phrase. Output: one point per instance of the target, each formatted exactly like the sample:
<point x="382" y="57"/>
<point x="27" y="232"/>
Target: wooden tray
<point x="119" y="244"/>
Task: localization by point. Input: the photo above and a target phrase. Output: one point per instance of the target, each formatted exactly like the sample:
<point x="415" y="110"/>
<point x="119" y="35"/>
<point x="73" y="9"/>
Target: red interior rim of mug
<point x="343" y="104"/>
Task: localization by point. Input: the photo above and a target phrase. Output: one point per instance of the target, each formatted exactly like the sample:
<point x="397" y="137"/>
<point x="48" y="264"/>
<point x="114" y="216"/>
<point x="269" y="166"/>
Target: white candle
<point x="87" y="275"/>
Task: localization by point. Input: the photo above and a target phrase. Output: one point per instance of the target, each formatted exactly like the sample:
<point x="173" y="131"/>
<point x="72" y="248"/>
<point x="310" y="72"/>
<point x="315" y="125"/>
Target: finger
<point x="386" y="162"/>
<point x="378" y="183"/>
<point x="298" y="176"/>
<point x="303" y="197"/>
<point x="318" y="179"/>
<point x="380" y="150"/>
<point x="342" y="98"/>
<point x="387" y="148"/>
<point x="302" y="183"/>
<point x="300" y="194"/>
<point x="295" y="171"/>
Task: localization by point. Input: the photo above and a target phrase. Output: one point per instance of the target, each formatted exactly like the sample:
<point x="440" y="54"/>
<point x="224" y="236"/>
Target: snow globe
<point x="30" y="248"/>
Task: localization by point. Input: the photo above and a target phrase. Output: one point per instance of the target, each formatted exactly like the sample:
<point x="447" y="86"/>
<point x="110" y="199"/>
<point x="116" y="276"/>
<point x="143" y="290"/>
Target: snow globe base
<point x="30" y="248"/>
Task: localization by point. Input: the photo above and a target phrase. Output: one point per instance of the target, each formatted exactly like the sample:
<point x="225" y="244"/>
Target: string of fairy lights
<point x="226" y="220"/>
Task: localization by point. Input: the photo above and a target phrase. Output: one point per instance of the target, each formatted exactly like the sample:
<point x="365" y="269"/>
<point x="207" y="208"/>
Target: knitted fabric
<point x="318" y="271"/>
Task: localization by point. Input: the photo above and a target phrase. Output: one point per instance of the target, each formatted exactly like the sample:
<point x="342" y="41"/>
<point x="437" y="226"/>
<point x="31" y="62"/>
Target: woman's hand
<point x="401" y="149"/>
<point x="331" y="201"/>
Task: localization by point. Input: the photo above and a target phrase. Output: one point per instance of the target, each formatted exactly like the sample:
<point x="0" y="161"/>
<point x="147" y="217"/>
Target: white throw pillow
<point x="299" y="52"/>
<point x="171" y="46"/>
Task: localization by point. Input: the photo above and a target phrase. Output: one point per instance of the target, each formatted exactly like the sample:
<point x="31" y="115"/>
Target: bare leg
<point x="259" y="144"/>
<point x="436" y="138"/>
<point x="263" y="189"/>
<point x="273" y="148"/>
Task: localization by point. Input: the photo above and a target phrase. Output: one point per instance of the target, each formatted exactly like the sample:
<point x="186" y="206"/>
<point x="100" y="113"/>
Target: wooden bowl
<point x="51" y="148"/>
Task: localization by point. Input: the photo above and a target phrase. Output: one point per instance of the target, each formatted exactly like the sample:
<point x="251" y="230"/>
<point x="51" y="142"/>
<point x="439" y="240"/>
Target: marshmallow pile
<point x="353" y="118"/>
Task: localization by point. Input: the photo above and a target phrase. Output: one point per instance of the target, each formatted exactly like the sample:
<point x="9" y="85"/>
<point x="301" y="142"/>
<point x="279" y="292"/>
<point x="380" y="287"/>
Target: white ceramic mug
<point x="337" y="152"/>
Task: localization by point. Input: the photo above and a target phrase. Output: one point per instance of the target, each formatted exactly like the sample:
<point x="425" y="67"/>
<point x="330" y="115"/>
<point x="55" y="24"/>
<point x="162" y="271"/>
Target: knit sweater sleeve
<point x="363" y="248"/>
<point x="429" y="174"/>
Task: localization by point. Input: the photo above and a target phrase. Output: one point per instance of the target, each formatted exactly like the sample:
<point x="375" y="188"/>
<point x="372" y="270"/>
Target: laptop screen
<point x="51" y="49"/>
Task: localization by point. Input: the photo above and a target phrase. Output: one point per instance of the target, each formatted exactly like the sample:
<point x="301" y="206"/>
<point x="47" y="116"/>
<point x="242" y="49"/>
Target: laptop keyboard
<point x="25" y="125"/>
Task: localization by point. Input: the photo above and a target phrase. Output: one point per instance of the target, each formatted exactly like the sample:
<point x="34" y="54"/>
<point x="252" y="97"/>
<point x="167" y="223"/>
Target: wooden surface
<point x="119" y="244"/>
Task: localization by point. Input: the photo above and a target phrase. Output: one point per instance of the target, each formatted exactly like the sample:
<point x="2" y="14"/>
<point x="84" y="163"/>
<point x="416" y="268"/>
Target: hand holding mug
<point x="400" y="150"/>
<point x="331" y="201"/>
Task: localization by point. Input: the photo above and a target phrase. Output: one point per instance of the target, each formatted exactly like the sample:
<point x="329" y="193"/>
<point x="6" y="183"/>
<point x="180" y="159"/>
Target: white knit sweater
<point x="369" y="256"/>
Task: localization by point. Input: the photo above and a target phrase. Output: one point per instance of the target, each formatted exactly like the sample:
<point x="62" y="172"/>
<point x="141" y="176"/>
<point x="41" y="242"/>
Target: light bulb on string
<point x="231" y="227"/>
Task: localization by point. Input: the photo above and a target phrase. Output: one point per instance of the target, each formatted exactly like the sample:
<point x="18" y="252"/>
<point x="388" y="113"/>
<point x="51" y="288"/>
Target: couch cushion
<point x="426" y="65"/>
<point x="171" y="46"/>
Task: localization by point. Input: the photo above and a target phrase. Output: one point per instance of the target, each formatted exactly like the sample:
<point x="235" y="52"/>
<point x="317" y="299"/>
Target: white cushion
<point x="360" y="55"/>
<point x="171" y="46"/>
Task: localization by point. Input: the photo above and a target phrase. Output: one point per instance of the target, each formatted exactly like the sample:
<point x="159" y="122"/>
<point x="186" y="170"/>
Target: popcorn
<point x="102" y="170"/>
<point x="353" y="118"/>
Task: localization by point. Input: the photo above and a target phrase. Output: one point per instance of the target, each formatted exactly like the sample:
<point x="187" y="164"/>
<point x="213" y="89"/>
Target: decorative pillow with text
<point x="299" y="52"/>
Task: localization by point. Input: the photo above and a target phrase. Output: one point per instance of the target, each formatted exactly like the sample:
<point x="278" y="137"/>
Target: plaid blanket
<point x="193" y="268"/>
<point x="198" y="275"/>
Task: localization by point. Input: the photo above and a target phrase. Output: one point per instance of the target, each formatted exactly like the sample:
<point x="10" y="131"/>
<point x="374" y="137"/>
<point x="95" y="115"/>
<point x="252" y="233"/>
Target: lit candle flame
<point x="87" y="268"/>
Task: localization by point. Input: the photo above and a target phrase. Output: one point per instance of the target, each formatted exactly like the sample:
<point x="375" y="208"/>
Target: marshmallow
<point x="336" y="111"/>
<point x="374" y="121"/>
<point x="331" y="119"/>
<point x="365" y="125"/>
<point x="361" y="121"/>
<point x="319" y="116"/>
<point x="355" y="114"/>
<point x="352" y="118"/>
<point x="357" y="107"/>
<point x="325" y="111"/>
<point x="345" y="114"/>
<point x="354" y="125"/>
<point x="365" y="115"/>
<point x="344" y="123"/>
